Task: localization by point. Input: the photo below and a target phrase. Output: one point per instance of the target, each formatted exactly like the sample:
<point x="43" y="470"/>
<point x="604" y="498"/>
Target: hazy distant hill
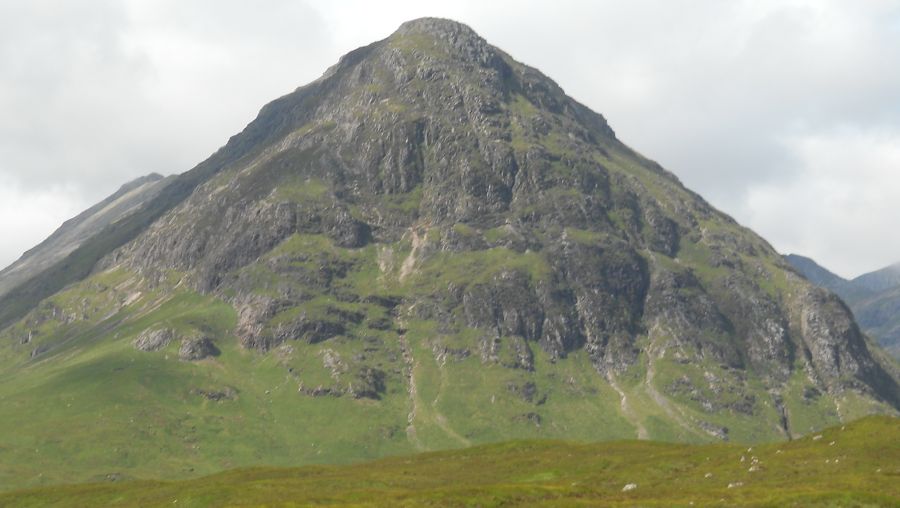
<point x="817" y="274"/>
<point x="880" y="280"/>
<point x="76" y="231"/>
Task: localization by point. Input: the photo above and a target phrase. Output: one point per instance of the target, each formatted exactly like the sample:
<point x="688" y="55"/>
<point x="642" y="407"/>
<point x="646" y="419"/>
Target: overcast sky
<point x="784" y="114"/>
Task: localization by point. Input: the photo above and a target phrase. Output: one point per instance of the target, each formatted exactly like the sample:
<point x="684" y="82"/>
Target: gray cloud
<point x="785" y="114"/>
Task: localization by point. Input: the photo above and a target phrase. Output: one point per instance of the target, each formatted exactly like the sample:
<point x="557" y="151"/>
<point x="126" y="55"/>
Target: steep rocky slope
<point x="429" y="246"/>
<point x="874" y="298"/>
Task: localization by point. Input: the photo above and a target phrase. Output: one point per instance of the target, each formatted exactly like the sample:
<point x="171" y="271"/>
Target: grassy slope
<point x="106" y="408"/>
<point x="855" y="465"/>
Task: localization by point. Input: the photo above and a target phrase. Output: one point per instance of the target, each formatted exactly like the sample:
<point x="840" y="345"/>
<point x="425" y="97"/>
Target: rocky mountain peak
<point x="446" y="38"/>
<point x="432" y="209"/>
<point x="440" y="28"/>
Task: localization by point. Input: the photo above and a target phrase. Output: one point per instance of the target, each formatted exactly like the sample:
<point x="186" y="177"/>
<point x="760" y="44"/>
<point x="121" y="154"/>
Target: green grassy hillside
<point x="95" y="407"/>
<point x="853" y="465"/>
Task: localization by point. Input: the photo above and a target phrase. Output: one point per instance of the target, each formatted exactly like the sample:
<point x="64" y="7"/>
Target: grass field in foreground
<point x="854" y="465"/>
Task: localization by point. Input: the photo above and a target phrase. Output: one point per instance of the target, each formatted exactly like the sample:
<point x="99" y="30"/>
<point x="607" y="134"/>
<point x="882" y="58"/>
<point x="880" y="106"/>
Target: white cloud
<point x="28" y="215"/>
<point x="842" y="202"/>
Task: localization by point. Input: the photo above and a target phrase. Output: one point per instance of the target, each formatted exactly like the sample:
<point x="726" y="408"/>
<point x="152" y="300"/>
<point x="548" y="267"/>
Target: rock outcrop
<point x="197" y="348"/>
<point x="153" y="339"/>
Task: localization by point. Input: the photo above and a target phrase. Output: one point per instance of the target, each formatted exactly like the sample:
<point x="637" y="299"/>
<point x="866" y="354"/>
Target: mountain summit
<point x="431" y="245"/>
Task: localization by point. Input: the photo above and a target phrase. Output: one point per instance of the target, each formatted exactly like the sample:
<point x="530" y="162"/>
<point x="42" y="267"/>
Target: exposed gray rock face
<point x="507" y="305"/>
<point x="254" y="313"/>
<point x="874" y="298"/>
<point x="153" y="339"/>
<point x="832" y="339"/>
<point x="198" y="348"/>
<point x="75" y="231"/>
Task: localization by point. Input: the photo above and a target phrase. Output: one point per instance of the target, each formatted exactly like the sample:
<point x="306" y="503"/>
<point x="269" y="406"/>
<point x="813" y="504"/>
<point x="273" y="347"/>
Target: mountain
<point x="879" y="316"/>
<point x="74" y="232"/>
<point x="817" y="274"/>
<point x="428" y="247"/>
<point x="880" y="280"/>
<point x="874" y="298"/>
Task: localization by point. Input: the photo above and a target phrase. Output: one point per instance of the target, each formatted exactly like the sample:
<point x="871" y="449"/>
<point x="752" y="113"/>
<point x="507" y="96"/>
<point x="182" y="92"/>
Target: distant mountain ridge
<point x="874" y="298"/>
<point x="880" y="280"/>
<point x="816" y="273"/>
<point x="74" y="232"/>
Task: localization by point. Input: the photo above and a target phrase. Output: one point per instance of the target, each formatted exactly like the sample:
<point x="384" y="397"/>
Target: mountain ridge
<point x="815" y="272"/>
<point x="880" y="280"/>
<point x="73" y="232"/>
